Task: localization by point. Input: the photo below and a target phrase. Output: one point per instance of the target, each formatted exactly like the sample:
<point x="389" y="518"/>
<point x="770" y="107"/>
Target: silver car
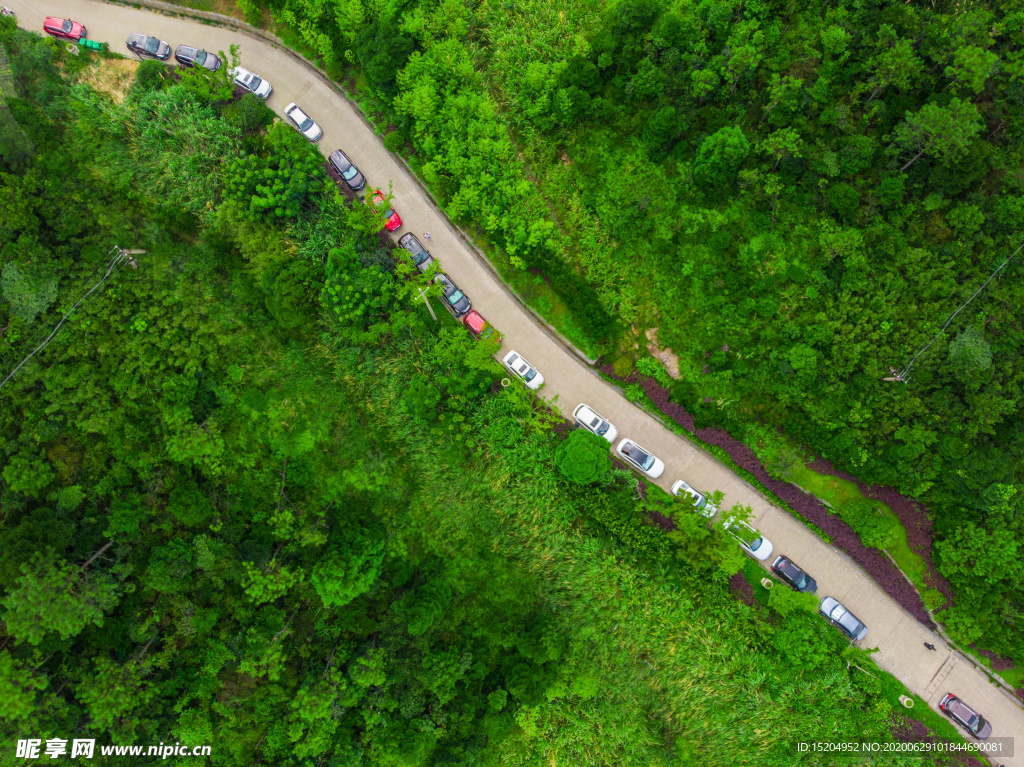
<point x="419" y="255"/>
<point x="303" y="122"/>
<point x="591" y="420"/>
<point x="843" y="619"/>
<point x="344" y="167"/>
<point x="151" y="47"/>
<point x="250" y="82"/>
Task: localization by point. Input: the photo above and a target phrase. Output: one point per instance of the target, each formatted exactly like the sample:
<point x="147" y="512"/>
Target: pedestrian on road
<point x="929" y="645"/>
<point x="426" y="235"/>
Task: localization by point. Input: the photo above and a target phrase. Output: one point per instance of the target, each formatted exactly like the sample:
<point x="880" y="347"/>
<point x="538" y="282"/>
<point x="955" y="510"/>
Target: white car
<point x="524" y="370"/>
<point x="593" y="421"/>
<point x="705" y="507"/>
<point x="749" y="539"/>
<point x="257" y="86"/>
<point x="303" y="122"/>
<point x="641" y="458"/>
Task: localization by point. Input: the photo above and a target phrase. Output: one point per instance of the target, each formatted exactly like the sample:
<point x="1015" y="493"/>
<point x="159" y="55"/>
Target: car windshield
<point x="838" y="612"/>
<point x="648" y="463"/>
<point x="802" y="583"/>
<point x="603" y="428"/>
<point x="350" y="173"/>
<point x="530" y="375"/>
<point x="306" y="124"/>
<point x="388" y="213"/>
<point x="200" y="57"/>
<point x="254" y="82"/>
<point x="756" y="543"/>
<point x="419" y="257"/>
<point x="455" y="297"/>
<point x="701" y="501"/>
<point x="66" y="27"/>
<point x="152" y="44"/>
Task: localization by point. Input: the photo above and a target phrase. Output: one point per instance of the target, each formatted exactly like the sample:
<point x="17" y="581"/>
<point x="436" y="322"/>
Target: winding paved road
<point x="898" y="637"/>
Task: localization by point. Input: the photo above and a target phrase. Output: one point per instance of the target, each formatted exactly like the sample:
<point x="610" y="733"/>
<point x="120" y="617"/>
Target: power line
<point x="122" y="256"/>
<point x="902" y="375"/>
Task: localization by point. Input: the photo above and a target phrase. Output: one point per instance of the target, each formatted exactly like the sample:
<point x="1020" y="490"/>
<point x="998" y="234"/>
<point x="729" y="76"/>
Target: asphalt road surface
<point x="899" y="637"/>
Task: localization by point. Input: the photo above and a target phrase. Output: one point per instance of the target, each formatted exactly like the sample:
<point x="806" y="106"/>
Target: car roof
<point x="961" y="708"/>
<point x="475" y="321"/>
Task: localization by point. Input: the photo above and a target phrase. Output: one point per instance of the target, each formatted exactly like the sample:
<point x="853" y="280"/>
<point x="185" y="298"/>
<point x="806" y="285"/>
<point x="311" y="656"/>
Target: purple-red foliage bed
<point x="873" y="561"/>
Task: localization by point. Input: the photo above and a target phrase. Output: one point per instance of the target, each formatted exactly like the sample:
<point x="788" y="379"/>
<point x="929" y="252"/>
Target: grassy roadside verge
<point x="841" y="495"/>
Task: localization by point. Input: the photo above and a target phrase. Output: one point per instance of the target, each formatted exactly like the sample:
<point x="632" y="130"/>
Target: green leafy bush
<point x="582" y="457"/>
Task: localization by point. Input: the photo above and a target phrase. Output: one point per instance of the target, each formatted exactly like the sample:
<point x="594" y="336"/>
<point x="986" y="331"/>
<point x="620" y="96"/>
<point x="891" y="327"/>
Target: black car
<point x="196" y="57"/>
<point x="347" y="170"/>
<point x="965" y="716"/>
<point x="150" y="47"/>
<point x="419" y="254"/>
<point x="456" y="301"/>
<point x="787" y="571"/>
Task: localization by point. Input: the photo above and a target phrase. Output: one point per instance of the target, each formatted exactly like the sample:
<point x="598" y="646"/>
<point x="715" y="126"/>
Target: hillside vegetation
<point x="253" y="497"/>
<point x="797" y="196"/>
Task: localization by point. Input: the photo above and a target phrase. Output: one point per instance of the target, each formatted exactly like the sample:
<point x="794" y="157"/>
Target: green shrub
<point x="150" y="76"/>
<point x="335" y="70"/>
<point x="869" y="520"/>
<point x="394" y="141"/>
<point x="250" y="113"/>
<point x="618" y="513"/>
<point x="582" y="457"/>
<point x="622" y="367"/>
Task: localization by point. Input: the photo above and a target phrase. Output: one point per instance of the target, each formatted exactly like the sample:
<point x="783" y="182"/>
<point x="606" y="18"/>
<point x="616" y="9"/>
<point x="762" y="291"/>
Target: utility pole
<point x="895" y="376"/>
<point x="423" y="295"/>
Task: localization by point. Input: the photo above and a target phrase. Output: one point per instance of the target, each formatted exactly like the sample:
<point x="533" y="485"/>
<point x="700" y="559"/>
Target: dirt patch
<point x="664" y="356"/>
<point x="741" y="588"/>
<point x="111" y="76"/>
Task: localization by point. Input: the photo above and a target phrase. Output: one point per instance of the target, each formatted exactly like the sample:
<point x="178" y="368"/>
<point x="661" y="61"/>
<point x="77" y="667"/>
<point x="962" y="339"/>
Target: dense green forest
<point x="795" y="195"/>
<point x="254" y="498"/>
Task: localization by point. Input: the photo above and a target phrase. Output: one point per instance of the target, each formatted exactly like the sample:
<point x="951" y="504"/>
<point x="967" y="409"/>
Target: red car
<point x="478" y="326"/>
<point x="63" y="28"/>
<point x="391" y="219"/>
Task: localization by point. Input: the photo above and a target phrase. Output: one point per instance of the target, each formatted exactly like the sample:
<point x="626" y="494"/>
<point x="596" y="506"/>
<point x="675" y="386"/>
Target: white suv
<point x="701" y="503"/>
<point x="257" y="86"/>
<point x="523" y="370"/>
<point x="303" y="122"/>
<point x="641" y="458"/>
<point x="593" y="421"/>
<point x="749" y="539"/>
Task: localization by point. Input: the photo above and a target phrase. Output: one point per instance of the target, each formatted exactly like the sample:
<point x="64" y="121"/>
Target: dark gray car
<point x="150" y="47"/>
<point x="196" y="57"/>
<point x="347" y="170"/>
<point x="798" y="580"/>
<point x="456" y="301"/>
<point x="417" y="252"/>
<point x="966" y="716"/>
<point x="843" y="619"/>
